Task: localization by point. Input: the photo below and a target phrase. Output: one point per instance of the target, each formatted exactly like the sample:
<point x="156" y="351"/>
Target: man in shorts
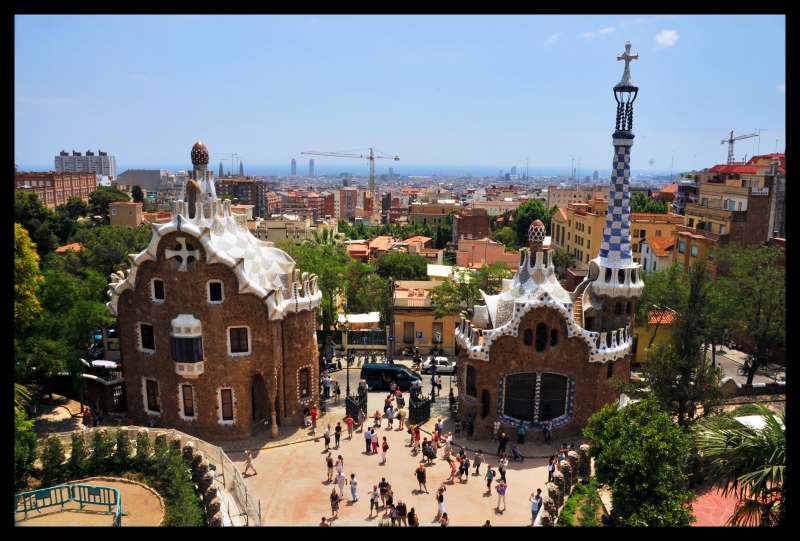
<point x="374" y="500"/>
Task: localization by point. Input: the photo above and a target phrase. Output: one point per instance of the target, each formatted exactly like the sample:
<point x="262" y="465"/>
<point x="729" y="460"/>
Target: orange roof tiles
<point x="672" y="188"/>
<point x="666" y="316"/>
<point x="74" y="247"/>
<point x="563" y="212"/>
<point x="660" y="245"/>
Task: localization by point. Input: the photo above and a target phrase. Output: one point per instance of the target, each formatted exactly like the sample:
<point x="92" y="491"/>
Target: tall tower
<point x="241" y="168"/>
<point x="200" y="186"/>
<point x="220" y="169"/>
<point x="311" y="168"/>
<point x="294" y="168"/>
<point x="613" y="272"/>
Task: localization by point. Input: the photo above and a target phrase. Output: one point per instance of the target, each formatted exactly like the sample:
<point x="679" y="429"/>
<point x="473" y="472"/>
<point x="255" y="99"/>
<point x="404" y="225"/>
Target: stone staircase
<point x="577" y="311"/>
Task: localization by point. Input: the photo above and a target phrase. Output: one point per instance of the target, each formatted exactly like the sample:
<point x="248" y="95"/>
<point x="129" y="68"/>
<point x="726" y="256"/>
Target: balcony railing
<point x="418" y="302"/>
<point x="377" y="338"/>
<point x="719" y="239"/>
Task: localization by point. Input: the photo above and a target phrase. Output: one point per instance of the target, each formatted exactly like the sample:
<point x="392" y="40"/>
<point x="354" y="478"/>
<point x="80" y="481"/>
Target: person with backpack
<point x="384" y="448"/>
<point x="477" y="461"/>
<point x="489" y="478"/>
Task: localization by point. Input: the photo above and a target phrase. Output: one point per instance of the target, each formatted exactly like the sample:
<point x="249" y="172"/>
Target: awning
<point x="372" y="317"/>
<point x="104" y="364"/>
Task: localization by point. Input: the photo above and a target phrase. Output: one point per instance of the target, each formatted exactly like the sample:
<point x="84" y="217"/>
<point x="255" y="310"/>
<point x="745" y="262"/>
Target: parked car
<point x="443" y="365"/>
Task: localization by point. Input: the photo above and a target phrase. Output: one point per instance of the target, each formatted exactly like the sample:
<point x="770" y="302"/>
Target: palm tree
<point x="751" y="465"/>
<point x="325" y="236"/>
<point x="21" y="396"/>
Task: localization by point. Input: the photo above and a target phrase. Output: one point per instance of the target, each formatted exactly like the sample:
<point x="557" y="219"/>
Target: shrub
<point x="183" y="506"/>
<point x="53" y="457"/>
<point x="78" y="455"/>
<point x="745" y="410"/>
<point x="102" y="451"/>
<point x="122" y="453"/>
<point x="25" y="450"/>
<point x="591" y="502"/>
<point x="143" y="449"/>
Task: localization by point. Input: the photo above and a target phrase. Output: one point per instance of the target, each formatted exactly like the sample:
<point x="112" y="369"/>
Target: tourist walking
<point x="329" y="463"/>
<point x="390" y="415"/>
<point x="413" y="519"/>
<point x="314" y="415"/>
<point x="417" y="437"/>
<point x="401" y="417"/>
<point x="383" y="487"/>
<point x="440" y="501"/>
<point x="549" y="434"/>
<point x="402" y="512"/>
<point x="458" y="426"/>
<point x="374" y="441"/>
<point x="361" y="418"/>
<point x="327" y="436"/>
<point x="453" y="468"/>
<point x="368" y="439"/>
<point x="496" y="428"/>
<point x="536" y="502"/>
<point x="374" y="500"/>
<point x="463" y="471"/>
<point x="551" y="468"/>
<point x="439" y="385"/>
<point x="337" y="393"/>
<point x="444" y="521"/>
<point x="248" y="464"/>
<point x="477" y="461"/>
<point x="502" y="465"/>
<point x="339" y="464"/>
<point x="502" y="442"/>
<point x="501" y="494"/>
<point x="387" y="403"/>
<point x="354" y="487"/>
<point x="421" y="474"/>
<point x="489" y="477"/>
<point x="337" y="433"/>
<point x="306" y="417"/>
<point x="377" y="420"/>
<point x="384" y="448"/>
<point x="520" y="434"/>
<point x="335" y="499"/>
<point x="87" y="417"/>
<point x="341" y="480"/>
<point x="326" y="386"/>
<point x="349" y="422"/>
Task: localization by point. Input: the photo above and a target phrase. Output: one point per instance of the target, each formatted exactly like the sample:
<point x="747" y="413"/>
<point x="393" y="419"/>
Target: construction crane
<point x="730" y="141"/>
<point x="371" y="159"/>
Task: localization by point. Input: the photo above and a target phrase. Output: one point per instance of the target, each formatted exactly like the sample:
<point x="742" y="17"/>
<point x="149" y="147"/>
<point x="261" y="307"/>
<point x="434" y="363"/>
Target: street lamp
<point x="346" y="330"/>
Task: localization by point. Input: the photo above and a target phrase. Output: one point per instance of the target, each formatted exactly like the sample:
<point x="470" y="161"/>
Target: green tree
<point x="753" y="286"/>
<point x="137" y="194"/>
<point x="25" y="450"/>
<point x="53" y="457"/>
<point x="526" y="214"/>
<point x="455" y="294"/>
<point x="563" y="260"/>
<point x="367" y="292"/>
<point x="664" y="292"/>
<point x="402" y="266"/>
<point x="106" y="249"/>
<point x="751" y="465"/>
<point x="27" y="280"/>
<point x="75" y="207"/>
<point x="677" y="372"/>
<point x="445" y="231"/>
<point x="37" y="219"/>
<point x="493" y="274"/>
<point x="643" y="203"/>
<point x="102" y="197"/>
<point x="639" y="453"/>
<point x="506" y="236"/>
<point x="324" y="236"/>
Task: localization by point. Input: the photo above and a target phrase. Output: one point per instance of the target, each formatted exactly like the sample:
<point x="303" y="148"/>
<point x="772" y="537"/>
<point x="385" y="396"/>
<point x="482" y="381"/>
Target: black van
<point x="380" y="376"/>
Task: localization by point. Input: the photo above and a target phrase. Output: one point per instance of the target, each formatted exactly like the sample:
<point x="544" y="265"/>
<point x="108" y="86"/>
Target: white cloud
<point x="607" y="30"/>
<point x="552" y="39"/>
<point x="782" y="88"/>
<point x="586" y="35"/>
<point x="667" y="38"/>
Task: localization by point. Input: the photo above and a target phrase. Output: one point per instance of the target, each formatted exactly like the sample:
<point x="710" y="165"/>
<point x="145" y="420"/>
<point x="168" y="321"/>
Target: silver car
<point x="443" y="365"/>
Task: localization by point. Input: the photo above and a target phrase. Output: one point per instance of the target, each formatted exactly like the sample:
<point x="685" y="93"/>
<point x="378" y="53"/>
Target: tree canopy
<point x="39" y="221"/>
<point x="456" y="294"/>
<point x="752" y="282"/>
<point x="639" y="453"/>
<point x="102" y="197"/>
<point x="505" y="236"/>
<point x="526" y="214"/>
<point x="664" y="292"/>
<point x="644" y="203"/>
<point x="402" y="266"/>
<point x="492" y="276"/>
<point x="27" y="280"/>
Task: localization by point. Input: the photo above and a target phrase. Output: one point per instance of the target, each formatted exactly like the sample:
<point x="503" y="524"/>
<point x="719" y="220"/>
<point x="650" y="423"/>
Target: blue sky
<point x="438" y="91"/>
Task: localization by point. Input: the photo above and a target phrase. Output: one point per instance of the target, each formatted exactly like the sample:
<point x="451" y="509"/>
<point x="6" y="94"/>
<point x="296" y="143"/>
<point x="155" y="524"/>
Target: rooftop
<point x="660" y="245"/>
<point x="666" y="316"/>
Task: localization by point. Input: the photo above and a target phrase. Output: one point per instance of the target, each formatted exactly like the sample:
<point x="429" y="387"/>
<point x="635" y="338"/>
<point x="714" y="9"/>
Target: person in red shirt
<point x="314" y="415"/>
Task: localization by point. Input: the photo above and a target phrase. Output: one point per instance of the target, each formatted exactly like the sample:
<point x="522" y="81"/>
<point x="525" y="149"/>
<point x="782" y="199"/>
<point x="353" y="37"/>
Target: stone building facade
<point x="216" y="327"/>
<point x="535" y="352"/>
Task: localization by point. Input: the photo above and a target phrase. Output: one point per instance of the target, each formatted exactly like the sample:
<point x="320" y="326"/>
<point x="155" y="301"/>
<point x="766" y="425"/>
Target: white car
<point x="443" y="365"/>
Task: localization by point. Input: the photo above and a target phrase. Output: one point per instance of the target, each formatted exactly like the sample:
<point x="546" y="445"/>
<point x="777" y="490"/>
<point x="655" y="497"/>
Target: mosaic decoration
<point x="311" y="380"/>
<point x="617" y="233"/>
<point x="260" y="268"/>
<point x="536" y="424"/>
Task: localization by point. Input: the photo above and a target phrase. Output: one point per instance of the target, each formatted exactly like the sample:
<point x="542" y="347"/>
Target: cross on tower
<point x="627" y="57"/>
<point x="184" y="253"/>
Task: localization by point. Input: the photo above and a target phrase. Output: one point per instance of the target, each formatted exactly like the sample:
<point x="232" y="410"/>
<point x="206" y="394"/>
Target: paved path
<point x="711" y="508"/>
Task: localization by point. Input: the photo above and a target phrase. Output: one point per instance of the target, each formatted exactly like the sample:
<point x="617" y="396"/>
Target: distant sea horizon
<point x="363" y="170"/>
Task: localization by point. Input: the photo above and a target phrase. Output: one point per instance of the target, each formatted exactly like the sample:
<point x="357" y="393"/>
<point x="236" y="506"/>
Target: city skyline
<point x="437" y="90"/>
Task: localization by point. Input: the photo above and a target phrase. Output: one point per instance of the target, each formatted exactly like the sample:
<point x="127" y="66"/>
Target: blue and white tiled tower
<point x="614" y="272"/>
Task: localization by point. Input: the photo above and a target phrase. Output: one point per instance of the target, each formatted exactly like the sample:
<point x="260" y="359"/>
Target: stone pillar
<point x="566" y="471"/>
<point x="214" y="506"/>
<point x="161" y="439"/>
<point x="188" y="451"/>
<point x="558" y="480"/>
<point x="209" y="496"/>
<point x="574" y="459"/>
<point x="206" y="480"/>
<point x="545" y="519"/>
<point x="215" y="520"/>
<point x="176" y="442"/>
<point x="584" y="462"/>
<point x="550" y="501"/>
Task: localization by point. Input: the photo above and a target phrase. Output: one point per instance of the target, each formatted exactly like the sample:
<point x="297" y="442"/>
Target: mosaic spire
<point x="615" y="250"/>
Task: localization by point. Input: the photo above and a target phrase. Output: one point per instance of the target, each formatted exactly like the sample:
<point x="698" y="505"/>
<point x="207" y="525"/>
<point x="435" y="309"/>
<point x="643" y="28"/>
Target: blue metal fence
<point x="61" y="494"/>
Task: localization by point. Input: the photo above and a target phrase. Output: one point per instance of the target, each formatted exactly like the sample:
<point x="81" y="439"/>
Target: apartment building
<point x="244" y="191"/>
<point x="432" y="213"/>
<point x="471" y="224"/>
<point x="101" y="164"/>
<point x="55" y="188"/>
<point x="563" y="196"/>
<point x="125" y="214"/>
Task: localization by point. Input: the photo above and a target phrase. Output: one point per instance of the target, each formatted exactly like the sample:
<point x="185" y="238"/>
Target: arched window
<point x="486" y="402"/>
<point x="609" y="371"/>
<point x="553" y="337"/>
<point x="528" y="337"/>
<point x="541" y="336"/>
<point x="621" y="276"/>
<point x="628" y="308"/>
<point x="608" y="275"/>
<point x="618" y="309"/>
<point x="472" y="390"/>
<point x="552" y="396"/>
<point x="520" y="396"/>
<point x="303" y="380"/>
